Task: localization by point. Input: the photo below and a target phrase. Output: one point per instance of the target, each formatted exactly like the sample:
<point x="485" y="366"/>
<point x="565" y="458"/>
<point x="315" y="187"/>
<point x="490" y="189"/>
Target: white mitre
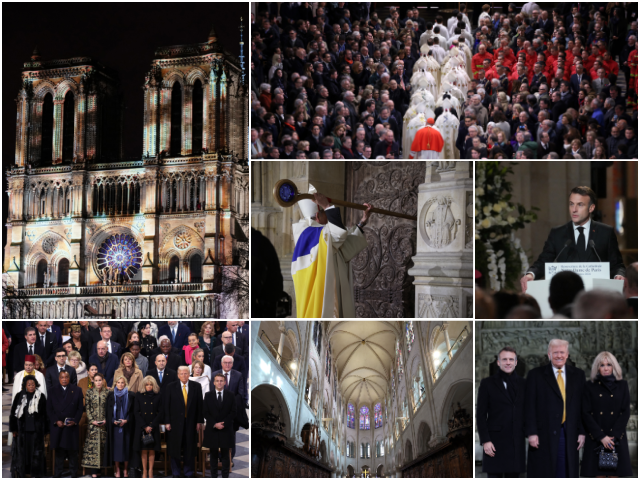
<point x="309" y="207"/>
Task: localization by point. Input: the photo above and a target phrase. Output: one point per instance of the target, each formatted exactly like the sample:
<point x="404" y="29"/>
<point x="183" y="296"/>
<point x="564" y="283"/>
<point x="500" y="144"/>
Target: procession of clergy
<point x="97" y="400"/>
<point x="439" y="83"/>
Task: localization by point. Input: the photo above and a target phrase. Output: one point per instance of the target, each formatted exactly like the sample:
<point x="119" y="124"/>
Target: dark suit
<point x="183" y="435"/>
<point x="575" y="82"/>
<point x="214" y="439"/>
<point x="239" y="364"/>
<point x="501" y="422"/>
<point x="219" y="350"/>
<point x="606" y="245"/>
<point x="65" y="441"/>
<point x="633" y="303"/>
<point x="236" y="383"/>
<point x="115" y="349"/>
<point x="52" y="379"/>
<point x="174" y="360"/>
<point x="116" y="336"/>
<point x="111" y="366"/>
<point x="22" y="349"/>
<point x="49" y="352"/>
<point x="57" y="332"/>
<point x="543" y="417"/>
<point x="168" y="377"/>
<point x="182" y="335"/>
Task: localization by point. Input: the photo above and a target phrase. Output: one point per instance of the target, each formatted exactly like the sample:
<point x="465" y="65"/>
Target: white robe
<point x="344" y="245"/>
<point x="447" y="124"/>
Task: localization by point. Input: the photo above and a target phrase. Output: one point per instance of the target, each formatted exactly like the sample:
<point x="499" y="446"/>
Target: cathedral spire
<point x="213" y="37"/>
<point x="35" y="55"/>
<point x="242" y="50"/>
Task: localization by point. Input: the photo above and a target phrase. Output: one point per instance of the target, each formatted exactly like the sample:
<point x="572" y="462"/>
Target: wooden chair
<point x="163" y="450"/>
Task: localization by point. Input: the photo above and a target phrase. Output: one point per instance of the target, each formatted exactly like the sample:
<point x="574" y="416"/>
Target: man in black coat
<point x="174" y="358"/>
<point x="239" y="339"/>
<point x="65" y="401"/>
<point x="106" y="362"/>
<point x="500" y="417"/>
<point x="163" y="375"/>
<point x="117" y="335"/>
<point x="52" y="374"/>
<point x="238" y="361"/>
<point x="106" y="332"/>
<point x="580" y="240"/>
<point x="553" y="422"/>
<point x="219" y="412"/>
<point x="28" y="347"/>
<point x="48" y="341"/>
<point x="226" y="337"/>
<point x="183" y="417"/>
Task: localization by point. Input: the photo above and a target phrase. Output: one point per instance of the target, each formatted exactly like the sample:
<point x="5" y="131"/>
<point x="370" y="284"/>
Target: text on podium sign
<point x="584" y="269"/>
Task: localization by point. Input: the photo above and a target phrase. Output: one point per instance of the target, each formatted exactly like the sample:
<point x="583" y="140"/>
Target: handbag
<point x="607" y="460"/>
<point x="147" y="439"/>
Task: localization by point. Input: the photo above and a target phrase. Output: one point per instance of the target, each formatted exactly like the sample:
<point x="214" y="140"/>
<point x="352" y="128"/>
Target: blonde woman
<point x="75" y="360"/>
<point x="96" y="405"/>
<point x="120" y="402"/>
<point x="198" y="375"/>
<point x="198" y="355"/>
<point x="605" y="413"/>
<point x="149" y="417"/>
<point x="130" y="370"/>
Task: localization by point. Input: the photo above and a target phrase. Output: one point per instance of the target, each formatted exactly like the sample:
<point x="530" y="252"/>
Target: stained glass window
<point x="393" y="385"/>
<point x="120" y="256"/>
<point x="399" y="357"/>
<point x="351" y="418"/>
<point x="364" y="419"/>
<point x="377" y="412"/>
<point x="409" y="334"/>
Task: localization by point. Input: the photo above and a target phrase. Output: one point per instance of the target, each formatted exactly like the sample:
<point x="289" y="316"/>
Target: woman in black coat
<point x="28" y="424"/>
<point x="120" y="403"/>
<point x="605" y="413"/>
<point x="147" y="341"/>
<point x="148" y="413"/>
<point x="500" y="419"/>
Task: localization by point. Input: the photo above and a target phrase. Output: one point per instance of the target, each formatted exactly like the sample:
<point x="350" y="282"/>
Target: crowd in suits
<point x="331" y="81"/>
<point x="558" y="412"/>
<point x="99" y="421"/>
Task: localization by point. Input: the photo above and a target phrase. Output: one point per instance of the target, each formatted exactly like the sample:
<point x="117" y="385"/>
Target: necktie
<point x="174" y="335"/>
<point x="43" y="342"/>
<point x="581" y="240"/>
<point x="184" y="394"/>
<point x="226" y="379"/>
<point x="219" y="397"/>
<point x="30" y="349"/>
<point x="234" y="338"/>
<point x="160" y="375"/>
<point x="564" y="395"/>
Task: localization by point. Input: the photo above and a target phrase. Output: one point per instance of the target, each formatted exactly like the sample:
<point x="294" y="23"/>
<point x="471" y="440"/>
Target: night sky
<point x="122" y="36"/>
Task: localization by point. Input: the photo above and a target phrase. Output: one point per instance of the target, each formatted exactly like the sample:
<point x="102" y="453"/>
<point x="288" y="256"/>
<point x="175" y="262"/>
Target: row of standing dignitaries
<point x="124" y="425"/>
<point x="558" y="412"/>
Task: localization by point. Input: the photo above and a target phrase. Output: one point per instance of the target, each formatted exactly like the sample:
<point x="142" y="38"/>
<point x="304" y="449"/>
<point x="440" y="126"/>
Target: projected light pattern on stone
<point x="121" y="253"/>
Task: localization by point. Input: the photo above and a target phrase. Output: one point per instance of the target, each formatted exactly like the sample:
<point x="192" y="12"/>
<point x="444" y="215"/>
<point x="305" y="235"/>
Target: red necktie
<point x="226" y="379"/>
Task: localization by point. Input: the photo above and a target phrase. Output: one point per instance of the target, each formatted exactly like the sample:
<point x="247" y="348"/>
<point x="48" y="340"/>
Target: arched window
<point x="368" y="451"/>
<point x="176" y="119"/>
<point x="195" y="269"/>
<point x="377" y="412"/>
<point x="63" y="273"/>
<point x="41" y="271"/>
<point x="364" y="418"/>
<point x="197" y="124"/>
<point x="351" y="419"/>
<point x="174" y="265"/>
<point x="362" y="450"/>
<point x="68" y="117"/>
<point x="353" y="451"/>
<point x="409" y="334"/>
<point x="348" y="449"/>
<point x="46" y="153"/>
<point x="399" y="360"/>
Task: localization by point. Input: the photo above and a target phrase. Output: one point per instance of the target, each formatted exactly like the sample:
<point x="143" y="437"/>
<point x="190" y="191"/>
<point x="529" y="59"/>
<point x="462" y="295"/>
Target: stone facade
<point x="145" y="238"/>
<point x="587" y="339"/>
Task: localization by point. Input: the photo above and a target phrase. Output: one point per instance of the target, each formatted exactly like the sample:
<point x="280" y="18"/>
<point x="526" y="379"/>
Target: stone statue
<point x="441" y="223"/>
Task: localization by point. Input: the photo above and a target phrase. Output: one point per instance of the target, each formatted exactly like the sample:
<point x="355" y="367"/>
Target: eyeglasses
<point x="60" y="356"/>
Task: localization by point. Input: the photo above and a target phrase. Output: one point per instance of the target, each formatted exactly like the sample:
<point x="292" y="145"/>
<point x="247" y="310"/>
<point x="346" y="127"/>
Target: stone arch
<point x="408" y="451"/>
<point x="460" y="391"/>
<point x="264" y="395"/>
<point x="424" y="436"/>
<point x="172" y="77"/>
<point x="36" y="246"/>
<point x="196" y="73"/>
<point x="44" y="87"/>
<point x="63" y="87"/>
<point x="170" y="235"/>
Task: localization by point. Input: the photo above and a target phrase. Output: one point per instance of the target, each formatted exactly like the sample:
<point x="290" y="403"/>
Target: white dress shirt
<point x="185" y="385"/>
<point x="221" y="394"/>
<point x="576" y="233"/>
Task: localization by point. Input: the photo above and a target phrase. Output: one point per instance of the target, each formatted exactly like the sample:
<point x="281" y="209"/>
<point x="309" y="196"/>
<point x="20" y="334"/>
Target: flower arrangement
<point x="499" y="255"/>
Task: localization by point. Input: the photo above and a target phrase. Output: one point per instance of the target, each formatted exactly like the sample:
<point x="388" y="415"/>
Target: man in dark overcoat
<point x="183" y="422"/>
<point x="65" y="401"/>
<point x="219" y="412"/>
<point x="553" y="421"/>
<point x="500" y="418"/>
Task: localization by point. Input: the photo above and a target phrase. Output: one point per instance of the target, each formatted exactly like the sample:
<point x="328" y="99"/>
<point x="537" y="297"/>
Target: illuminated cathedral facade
<point x="90" y="233"/>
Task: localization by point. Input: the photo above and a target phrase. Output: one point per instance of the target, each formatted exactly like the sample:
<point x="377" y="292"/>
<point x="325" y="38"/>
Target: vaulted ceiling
<point x="363" y="352"/>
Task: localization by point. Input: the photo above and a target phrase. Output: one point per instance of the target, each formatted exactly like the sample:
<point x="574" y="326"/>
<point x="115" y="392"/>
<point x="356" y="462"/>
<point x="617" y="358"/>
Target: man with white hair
<point x="553" y="423"/>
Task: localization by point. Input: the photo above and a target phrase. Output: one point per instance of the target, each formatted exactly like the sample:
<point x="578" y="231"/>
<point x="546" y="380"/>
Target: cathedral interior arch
<point x="375" y="404"/>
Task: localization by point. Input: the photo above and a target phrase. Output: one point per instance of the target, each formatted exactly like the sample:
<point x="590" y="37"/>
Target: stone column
<point x="443" y="265"/>
<point x="187" y="124"/>
<point x="446" y="338"/>
<point x="283" y="335"/>
<point x="58" y="106"/>
<point x="302" y="380"/>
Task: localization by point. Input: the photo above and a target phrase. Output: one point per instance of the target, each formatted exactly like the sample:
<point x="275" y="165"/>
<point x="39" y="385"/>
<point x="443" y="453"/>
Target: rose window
<point x="121" y="254"/>
<point x="182" y="240"/>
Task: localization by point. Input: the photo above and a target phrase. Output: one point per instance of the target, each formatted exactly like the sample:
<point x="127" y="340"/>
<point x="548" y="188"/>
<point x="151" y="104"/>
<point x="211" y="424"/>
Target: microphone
<point x="566" y="244"/>
<point x="592" y="244"/>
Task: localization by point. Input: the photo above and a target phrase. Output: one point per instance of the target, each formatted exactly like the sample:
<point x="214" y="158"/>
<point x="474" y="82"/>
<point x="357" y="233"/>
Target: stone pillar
<point x="302" y="380"/>
<point x="283" y="335"/>
<point x="187" y="110"/>
<point x="58" y="106"/>
<point x="443" y="265"/>
<point x="446" y="339"/>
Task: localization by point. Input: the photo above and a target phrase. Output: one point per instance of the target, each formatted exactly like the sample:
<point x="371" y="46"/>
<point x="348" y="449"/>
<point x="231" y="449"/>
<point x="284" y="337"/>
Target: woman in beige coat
<point x="130" y="370"/>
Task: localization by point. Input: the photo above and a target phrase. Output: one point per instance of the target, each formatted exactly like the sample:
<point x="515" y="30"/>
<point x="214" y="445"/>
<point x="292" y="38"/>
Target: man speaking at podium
<point x="580" y="240"/>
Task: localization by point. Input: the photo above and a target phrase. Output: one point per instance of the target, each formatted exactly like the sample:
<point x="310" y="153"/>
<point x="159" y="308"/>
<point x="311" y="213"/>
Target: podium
<point x="595" y="275"/>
